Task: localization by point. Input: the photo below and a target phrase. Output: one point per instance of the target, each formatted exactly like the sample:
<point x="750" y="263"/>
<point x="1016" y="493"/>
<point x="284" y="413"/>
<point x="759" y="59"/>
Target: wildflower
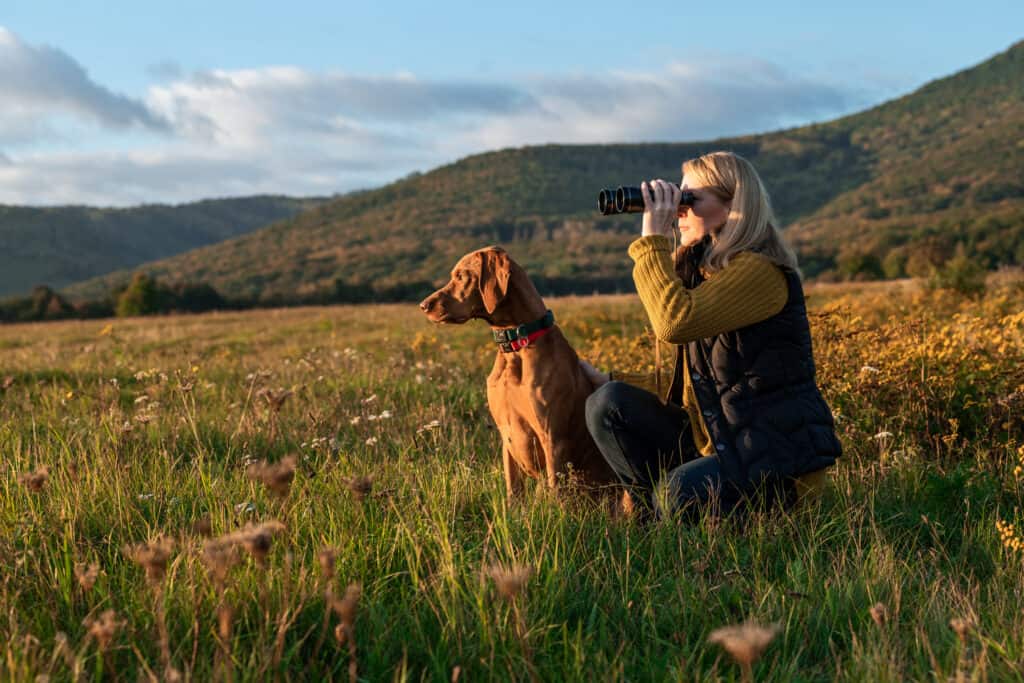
<point x="433" y="424"/>
<point x="36" y="480"/>
<point x="745" y="643"/>
<point x="152" y="557"/>
<point x="219" y="556"/>
<point x="355" y="420"/>
<point x="882" y="435"/>
<point x="277" y="477"/>
<point x="245" y="507"/>
<point x="509" y="581"/>
<point x="385" y="415"/>
<point x="371" y="441"/>
<point x="145" y="496"/>
<point x="369" y="399"/>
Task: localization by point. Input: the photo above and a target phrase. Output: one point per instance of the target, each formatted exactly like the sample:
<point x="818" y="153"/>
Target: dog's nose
<point x="425" y="305"/>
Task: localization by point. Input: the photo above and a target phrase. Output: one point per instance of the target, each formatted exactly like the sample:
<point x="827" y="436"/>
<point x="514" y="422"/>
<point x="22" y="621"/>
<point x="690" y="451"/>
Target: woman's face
<point x="706" y="216"/>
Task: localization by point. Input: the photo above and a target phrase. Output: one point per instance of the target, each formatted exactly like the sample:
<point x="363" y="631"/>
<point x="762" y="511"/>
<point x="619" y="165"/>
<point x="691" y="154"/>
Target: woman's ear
<point x="495" y="269"/>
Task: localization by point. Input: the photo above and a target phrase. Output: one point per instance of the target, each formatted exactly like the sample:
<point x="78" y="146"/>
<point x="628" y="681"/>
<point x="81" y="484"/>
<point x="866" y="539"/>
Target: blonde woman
<point x="743" y="418"/>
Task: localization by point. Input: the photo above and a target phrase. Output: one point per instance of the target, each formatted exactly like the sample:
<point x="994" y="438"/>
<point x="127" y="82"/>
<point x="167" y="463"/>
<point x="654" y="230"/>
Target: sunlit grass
<point x="317" y="493"/>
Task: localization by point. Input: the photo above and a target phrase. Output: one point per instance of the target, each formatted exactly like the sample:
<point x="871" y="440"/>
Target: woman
<point x="743" y="414"/>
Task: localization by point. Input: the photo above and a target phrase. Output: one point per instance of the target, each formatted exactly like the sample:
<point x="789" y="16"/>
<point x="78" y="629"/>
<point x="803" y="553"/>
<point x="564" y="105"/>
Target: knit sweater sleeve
<point x="748" y="290"/>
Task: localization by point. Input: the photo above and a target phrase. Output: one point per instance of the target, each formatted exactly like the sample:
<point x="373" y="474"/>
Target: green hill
<point x="887" y="191"/>
<point x="60" y="245"/>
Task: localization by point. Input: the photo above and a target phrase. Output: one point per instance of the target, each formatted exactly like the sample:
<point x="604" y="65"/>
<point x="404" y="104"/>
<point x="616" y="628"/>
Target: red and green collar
<point x="511" y="339"/>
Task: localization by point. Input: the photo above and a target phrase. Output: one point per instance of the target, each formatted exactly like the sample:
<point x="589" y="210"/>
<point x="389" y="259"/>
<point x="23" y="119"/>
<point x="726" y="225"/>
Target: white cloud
<point x="44" y="82"/>
<point x="284" y="129"/>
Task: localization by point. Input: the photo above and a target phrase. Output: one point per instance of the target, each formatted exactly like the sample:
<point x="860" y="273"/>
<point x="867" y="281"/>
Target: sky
<point x="118" y="103"/>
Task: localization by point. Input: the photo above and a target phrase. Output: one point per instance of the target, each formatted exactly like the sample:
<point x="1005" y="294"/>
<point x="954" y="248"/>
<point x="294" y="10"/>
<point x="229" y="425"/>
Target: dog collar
<point x="511" y="339"/>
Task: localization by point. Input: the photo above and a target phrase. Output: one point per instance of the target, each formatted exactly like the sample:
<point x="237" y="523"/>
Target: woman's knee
<point x="604" y="403"/>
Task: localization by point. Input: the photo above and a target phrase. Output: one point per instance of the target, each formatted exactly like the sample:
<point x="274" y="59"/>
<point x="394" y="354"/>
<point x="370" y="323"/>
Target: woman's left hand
<point x="661" y="207"/>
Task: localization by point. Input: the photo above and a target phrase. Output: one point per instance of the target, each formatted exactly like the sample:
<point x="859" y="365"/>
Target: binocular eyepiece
<point x="631" y="200"/>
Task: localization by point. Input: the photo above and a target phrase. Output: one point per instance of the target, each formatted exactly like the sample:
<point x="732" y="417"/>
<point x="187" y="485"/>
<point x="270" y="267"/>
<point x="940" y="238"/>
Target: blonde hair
<point x="751" y="225"/>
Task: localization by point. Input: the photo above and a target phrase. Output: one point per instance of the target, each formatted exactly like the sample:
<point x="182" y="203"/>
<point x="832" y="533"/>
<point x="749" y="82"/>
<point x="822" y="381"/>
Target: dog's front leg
<point x="556" y="460"/>
<point x="513" y="473"/>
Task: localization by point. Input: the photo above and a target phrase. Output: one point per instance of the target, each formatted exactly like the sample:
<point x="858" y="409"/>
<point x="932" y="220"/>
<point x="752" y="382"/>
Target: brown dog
<point x="536" y="393"/>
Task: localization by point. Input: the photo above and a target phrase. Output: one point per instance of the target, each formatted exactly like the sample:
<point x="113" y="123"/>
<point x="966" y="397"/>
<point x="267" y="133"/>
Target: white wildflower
<point x="355" y="420"/>
<point x="371" y="441"/>
<point x="370" y="399"/>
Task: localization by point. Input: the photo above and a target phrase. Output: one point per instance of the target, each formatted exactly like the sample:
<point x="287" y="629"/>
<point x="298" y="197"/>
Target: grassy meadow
<point x="316" y="494"/>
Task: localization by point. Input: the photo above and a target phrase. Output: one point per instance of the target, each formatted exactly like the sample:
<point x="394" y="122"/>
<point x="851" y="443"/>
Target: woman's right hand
<point x="661" y="207"/>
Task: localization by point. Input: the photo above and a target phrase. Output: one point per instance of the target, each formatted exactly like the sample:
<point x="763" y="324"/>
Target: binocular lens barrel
<point x="631" y="200"/>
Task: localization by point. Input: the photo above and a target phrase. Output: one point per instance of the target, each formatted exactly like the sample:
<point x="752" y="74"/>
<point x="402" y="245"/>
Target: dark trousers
<point x="647" y="442"/>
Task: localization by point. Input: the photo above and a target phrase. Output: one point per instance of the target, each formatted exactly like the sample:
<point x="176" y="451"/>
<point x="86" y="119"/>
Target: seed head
<point x="275" y="476"/>
<point x="745" y="642"/>
<point x="203" y="526"/>
<point x="275" y="399"/>
<point x="509" y="581"/>
<point x="104" y="628"/>
<point x="328" y="562"/>
<point x="86" y="575"/>
<point x="346" y="609"/>
<point x="360" y="486"/>
<point x="36" y="480"/>
<point x="153" y="557"/>
<point x="962" y="627"/>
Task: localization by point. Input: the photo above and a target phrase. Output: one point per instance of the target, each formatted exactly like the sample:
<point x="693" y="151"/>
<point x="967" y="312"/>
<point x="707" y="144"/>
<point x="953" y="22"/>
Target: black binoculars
<point x="631" y="200"/>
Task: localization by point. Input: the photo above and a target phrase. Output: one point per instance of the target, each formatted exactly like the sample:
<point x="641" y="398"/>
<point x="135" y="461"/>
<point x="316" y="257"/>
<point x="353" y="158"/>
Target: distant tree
<point x="142" y="297"/>
<point x="859" y="267"/>
<point x="961" y="274"/>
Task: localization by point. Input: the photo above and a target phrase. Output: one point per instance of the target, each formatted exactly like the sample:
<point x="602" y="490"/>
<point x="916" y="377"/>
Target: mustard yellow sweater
<point x="748" y="290"/>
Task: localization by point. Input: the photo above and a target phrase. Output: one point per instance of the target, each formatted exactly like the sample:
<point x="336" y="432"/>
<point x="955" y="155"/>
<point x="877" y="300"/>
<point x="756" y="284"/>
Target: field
<point x="314" y="494"/>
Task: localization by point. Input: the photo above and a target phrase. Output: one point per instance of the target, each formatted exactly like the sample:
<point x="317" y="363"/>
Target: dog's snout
<point x="426" y="304"/>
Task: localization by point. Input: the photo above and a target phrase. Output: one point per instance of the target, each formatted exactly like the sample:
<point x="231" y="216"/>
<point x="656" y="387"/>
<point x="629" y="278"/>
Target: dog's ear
<point x="495" y="269"/>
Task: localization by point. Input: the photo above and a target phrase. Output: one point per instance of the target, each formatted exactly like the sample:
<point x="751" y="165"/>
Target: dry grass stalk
<point x="360" y="486"/>
<point x="35" y="481"/>
<point x="275" y="476"/>
<point x="510" y="582"/>
<point x="153" y="557"/>
<point x="745" y="643"/>
<point x="346" y="608"/>
<point x="86" y="575"/>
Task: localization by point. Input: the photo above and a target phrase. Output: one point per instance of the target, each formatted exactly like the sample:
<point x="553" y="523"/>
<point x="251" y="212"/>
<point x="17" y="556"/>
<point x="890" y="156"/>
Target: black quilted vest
<point x="757" y="392"/>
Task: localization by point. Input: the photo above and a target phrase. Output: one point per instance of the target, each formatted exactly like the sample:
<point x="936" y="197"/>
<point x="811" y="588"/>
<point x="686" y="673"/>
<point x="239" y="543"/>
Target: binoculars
<point x="631" y="200"/>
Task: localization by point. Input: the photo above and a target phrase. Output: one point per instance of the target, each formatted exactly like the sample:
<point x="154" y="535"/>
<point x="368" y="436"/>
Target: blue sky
<point x="117" y="103"/>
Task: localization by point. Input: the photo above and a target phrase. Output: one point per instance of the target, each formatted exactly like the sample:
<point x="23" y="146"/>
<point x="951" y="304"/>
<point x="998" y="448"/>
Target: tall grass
<point x="315" y="494"/>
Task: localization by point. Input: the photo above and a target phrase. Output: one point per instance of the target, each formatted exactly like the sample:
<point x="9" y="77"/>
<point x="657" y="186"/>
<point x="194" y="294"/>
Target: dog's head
<point x="479" y="284"/>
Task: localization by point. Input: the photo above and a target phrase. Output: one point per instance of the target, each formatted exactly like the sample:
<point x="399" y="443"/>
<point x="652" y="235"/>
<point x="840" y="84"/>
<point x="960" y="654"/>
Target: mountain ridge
<point x="889" y="191"/>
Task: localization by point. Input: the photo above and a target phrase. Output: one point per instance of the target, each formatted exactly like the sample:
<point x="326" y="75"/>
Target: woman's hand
<point x="661" y="207"/>
<point x="596" y="377"/>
